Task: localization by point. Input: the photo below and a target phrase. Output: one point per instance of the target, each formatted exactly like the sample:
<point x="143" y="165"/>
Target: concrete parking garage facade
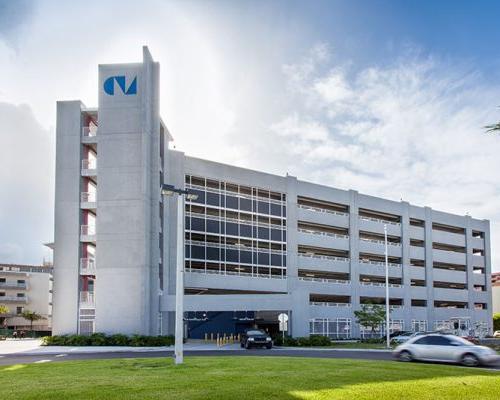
<point x="256" y="244"/>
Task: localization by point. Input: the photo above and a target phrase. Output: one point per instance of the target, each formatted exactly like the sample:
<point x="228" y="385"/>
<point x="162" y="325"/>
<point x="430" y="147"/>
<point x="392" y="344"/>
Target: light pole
<point x="387" y="308"/>
<point x="170" y="190"/>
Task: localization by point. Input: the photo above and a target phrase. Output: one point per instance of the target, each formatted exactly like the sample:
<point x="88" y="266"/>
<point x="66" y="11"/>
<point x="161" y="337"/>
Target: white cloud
<point x="411" y="129"/>
<point x="27" y="185"/>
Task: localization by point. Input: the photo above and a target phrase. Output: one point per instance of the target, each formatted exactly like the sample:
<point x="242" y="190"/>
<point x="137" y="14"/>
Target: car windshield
<point x="255" y="332"/>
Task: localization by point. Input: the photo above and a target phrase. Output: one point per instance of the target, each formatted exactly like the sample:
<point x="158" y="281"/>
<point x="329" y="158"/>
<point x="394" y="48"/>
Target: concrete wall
<point x="67" y="217"/>
<point x="127" y="166"/>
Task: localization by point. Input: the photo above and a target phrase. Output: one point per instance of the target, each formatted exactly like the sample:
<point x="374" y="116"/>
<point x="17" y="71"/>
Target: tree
<point x="4" y="310"/>
<point x="496" y="322"/>
<point x="371" y="316"/>
<point x="31" y="316"/>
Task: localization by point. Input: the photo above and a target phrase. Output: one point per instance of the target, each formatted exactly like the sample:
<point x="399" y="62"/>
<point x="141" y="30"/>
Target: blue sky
<point x="385" y="97"/>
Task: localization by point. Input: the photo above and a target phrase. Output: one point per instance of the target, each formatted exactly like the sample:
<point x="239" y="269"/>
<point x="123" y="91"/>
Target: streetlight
<point x="171" y="190"/>
<point x="387" y="308"/>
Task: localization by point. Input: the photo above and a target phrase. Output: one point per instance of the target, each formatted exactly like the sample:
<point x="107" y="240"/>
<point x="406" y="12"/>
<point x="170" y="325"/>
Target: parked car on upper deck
<point x="445" y="348"/>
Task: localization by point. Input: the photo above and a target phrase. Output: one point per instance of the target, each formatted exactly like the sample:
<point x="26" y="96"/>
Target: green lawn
<point x="239" y="378"/>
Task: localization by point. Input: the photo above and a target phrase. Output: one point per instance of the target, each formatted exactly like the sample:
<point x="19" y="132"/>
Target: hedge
<point x="101" y="339"/>
<point x="311" y="341"/>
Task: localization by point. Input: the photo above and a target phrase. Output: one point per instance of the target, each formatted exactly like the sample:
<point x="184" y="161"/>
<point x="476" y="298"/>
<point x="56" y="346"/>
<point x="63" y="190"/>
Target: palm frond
<point x="492" y="128"/>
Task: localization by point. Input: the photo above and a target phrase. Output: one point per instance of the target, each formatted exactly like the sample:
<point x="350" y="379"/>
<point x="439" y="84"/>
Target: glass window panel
<point x="213" y="253"/>
<point x="246" y="257"/>
<point x="198" y="252"/>
<point x="263" y="259"/>
<point x="276" y="235"/>
<point x="263" y="207"/>
<point x="232" y="202"/>
<point x="246" y="230"/>
<point x="198" y="224"/>
<point x="231" y="229"/>
<point x="187" y="250"/>
<point x="263" y="233"/>
<point x="275" y="209"/>
<point x="232" y="255"/>
<point x="213" y="199"/>
<point x="275" y="260"/>
<point x="246" y="204"/>
<point x="213" y="226"/>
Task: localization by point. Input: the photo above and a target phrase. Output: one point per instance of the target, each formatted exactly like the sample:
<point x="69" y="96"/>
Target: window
<point x="438" y="341"/>
<point x="434" y="340"/>
<point x="418" y="325"/>
<point x="335" y="328"/>
<point x="19" y="310"/>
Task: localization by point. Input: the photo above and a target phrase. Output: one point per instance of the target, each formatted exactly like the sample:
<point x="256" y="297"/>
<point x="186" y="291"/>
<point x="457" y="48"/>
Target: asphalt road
<point x="360" y="355"/>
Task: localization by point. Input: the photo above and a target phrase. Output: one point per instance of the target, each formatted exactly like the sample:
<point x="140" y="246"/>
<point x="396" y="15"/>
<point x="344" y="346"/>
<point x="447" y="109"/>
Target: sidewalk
<point x="34" y="347"/>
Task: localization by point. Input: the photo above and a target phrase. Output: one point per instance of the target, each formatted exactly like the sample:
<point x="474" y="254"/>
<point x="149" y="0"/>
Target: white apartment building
<point x="256" y="244"/>
<point x="26" y="287"/>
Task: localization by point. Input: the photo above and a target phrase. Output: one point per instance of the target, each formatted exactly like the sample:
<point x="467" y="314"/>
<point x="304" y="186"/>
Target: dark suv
<point x="256" y="338"/>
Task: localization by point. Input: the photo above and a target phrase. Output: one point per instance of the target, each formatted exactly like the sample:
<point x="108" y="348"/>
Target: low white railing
<point x="87" y="266"/>
<point x="334" y="258"/>
<point x="87" y="299"/>
<point x="89" y="164"/>
<point x="378" y="241"/>
<point x="87" y="132"/>
<point x="335" y="235"/>
<point x="15" y="299"/>
<point x="394" y="285"/>
<point x="88" y="197"/>
<point x="234" y="247"/>
<point x="235" y="273"/>
<point x="380" y="263"/>
<point x="364" y="218"/>
<point x="234" y="194"/>
<point x="13" y="285"/>
<point x="235" y="220"/>
<point x="328" y="304"/>
<point x="324" y="280"/>
<point x="322" y="210"/>
<point x="87" y="229"/>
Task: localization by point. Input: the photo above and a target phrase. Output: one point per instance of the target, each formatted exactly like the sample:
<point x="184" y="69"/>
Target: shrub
<point x="101" y="339"/>
<point x="98" y="339"/>
<point x="318" y="340"/>
<point x="78" y="340"/>
<point x="118" y="340"/>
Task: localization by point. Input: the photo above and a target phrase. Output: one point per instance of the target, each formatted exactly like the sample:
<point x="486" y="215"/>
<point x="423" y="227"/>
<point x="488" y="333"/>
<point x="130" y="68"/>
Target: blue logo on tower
<point x="109" y="85"/>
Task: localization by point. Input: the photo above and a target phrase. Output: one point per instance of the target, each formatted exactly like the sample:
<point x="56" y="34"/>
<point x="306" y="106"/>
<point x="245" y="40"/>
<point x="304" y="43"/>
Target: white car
<point x="445" y="348"/>
<point x="496" y="334"/>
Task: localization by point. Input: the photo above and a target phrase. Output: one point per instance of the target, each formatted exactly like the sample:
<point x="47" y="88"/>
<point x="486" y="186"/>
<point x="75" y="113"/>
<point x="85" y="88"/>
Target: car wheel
<point x="269" y="346"/>
<point x="469" y="360"/>
<point x="405" y="356"/>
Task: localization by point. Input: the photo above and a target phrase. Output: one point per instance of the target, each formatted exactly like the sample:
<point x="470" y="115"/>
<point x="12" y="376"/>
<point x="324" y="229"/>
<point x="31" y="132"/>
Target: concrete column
<point x="67" y="218"/>
<point x="300" y="299"/>
<point x="469" y="266"/>
<point x="487" y="263"/>
<point x="429" y="262"/>
<point x="405" y="261"/>
<point x="354" y="259"/>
